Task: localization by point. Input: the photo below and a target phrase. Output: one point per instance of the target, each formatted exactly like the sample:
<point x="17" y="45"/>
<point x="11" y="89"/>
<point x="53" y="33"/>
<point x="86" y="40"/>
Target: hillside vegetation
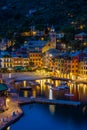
<point x="19" y="15"/>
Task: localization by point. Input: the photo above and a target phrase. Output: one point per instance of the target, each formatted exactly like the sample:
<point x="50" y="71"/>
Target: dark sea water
<point x="50" y="117"/>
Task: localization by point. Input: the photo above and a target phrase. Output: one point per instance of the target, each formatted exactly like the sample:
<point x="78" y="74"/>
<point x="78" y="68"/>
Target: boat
<point x="49" y="84"/>
<point x="69" y="94"/>
<point x="60" y="88"/>
<point x="34" y="83"/>
<point x="55" y="88"/>
<point x="63" y="83"/>
<point x="26" y="88"/>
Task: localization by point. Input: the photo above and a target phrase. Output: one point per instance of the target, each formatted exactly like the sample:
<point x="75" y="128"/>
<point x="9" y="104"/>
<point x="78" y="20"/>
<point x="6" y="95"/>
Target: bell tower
<point x="51" y="43"/>
<point x="52" y="36"/>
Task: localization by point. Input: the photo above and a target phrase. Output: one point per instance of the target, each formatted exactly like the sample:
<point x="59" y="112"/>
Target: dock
<point x="26" y="88"/>
<point x="47" y="101"/>
<point x="63" y="79"/>
<point x="80" y="82"/>
<point x="58" y="102"/>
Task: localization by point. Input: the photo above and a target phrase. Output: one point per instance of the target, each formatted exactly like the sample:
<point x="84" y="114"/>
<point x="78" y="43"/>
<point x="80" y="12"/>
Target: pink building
<point x="81" y="36"/>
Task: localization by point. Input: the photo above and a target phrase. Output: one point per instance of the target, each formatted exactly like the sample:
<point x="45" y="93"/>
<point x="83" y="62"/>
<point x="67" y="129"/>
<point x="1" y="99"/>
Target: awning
<point x="3" y="87"/>
<point x="19" y="68"/>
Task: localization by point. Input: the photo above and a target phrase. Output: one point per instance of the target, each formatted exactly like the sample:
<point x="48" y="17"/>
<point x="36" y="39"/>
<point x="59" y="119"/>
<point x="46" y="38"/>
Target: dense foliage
<point x="19" y="15"/>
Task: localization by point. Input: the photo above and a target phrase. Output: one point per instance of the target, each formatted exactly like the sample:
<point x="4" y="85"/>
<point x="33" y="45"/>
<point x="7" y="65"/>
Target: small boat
<point x="49" y="84"/>
<point x="36" y="83"/>
<point x="55" y="88"/>
<point x="31" y="83"/>
<point x="63" y="83"/>
<point x="60" y="88"/>
<point x="69" y="94"/>
<point x="26" y="88"/>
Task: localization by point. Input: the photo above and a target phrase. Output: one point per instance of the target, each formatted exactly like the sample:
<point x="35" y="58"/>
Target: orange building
<point x="36" y="58"/>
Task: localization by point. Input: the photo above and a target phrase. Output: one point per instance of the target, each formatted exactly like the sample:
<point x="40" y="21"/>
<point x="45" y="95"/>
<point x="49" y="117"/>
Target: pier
<point x="63" y="79"/>
<point x="80" y="82"/>
<point x="26" y="88"/>
<point x="47" y="101"/>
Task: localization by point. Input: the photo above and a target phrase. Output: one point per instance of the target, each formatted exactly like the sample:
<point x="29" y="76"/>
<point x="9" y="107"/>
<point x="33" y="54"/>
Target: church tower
<point x="52" y="36"/>
<point x="51" y="43"/>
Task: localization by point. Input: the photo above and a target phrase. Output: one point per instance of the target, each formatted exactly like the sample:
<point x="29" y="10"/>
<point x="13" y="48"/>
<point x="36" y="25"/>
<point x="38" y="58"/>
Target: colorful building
<point x="82" y="68"/>
<point x="36" y="58"/>
<point x="81" y="36"/>
<point x="51" y="43"/>
<point x="7" y="62"/>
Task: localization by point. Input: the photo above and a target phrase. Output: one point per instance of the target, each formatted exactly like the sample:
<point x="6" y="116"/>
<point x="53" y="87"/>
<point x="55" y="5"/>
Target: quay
<point x="63" y="79"/>
<point x="26" y="88"/>
<point x="75" y="81"/>
<point x="32" y="78"/>
<point x="9" y="122"/>
<point x="11" y="115"/>
<point x="79" y="82"/>
<point x="47" y="101"/>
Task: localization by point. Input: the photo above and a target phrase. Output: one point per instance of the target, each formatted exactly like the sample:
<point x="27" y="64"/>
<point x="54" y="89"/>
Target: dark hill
<point x="19" y="15"/>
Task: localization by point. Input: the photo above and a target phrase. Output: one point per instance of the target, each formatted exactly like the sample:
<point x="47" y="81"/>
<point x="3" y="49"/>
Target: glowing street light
<point x="7" y="102"/>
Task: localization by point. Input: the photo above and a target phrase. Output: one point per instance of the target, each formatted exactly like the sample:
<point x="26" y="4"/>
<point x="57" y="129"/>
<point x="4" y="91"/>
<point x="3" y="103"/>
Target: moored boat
<point x="69" y="94"/>
<point x="60" y="88"/>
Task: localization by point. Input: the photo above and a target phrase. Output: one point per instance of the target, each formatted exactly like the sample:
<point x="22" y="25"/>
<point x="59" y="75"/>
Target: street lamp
<point x="0" y="64"/>
<point x="7" y="102"/>
<point x="0" y="71"/>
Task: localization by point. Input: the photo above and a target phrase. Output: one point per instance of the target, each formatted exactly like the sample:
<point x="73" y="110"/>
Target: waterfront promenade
<point x="11" y="114"/>
<point x="24" y="75"/>
<point x="13" y="111"/>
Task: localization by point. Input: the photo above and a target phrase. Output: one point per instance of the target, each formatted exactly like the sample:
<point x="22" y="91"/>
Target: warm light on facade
<point x="34" y="33"/>
<point x="24" y="83"/>
<point x="85" y="43"/>
<point x="52" y="108"/>
<point x="42" y="38"/>
<point x="81" y="26"/>
<point x="7" y="102"/>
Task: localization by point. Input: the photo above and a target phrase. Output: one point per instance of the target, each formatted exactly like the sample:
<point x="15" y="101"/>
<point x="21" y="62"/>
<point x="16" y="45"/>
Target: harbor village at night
<point x="43" y="65"/>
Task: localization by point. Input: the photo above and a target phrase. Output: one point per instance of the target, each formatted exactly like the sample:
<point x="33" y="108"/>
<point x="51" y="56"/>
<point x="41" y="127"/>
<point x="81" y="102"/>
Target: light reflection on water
<point x="79" y="90"/>
<point x="52" y="108"/>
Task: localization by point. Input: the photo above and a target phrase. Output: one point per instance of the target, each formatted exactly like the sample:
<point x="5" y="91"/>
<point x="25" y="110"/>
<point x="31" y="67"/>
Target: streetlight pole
<point x="0" y="71"/>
